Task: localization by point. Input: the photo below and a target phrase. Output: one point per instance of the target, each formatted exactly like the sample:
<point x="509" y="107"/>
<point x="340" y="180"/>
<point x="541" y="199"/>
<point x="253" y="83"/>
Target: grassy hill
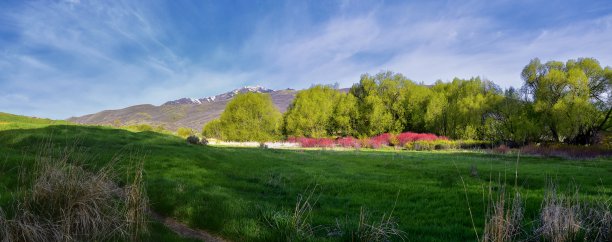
<point x="249" y="194"/>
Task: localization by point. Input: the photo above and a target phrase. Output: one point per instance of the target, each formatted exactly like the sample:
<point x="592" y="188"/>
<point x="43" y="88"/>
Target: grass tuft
<point x="67" y="203"/>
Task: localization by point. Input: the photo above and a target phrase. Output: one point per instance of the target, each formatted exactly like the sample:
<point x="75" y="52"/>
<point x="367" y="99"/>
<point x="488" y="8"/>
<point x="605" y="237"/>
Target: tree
<point x="213" y="129"/>
<point x="344" y="117"/>
<point x="415" y="99"/>
<point x="379" y="103"/>
<point x="248" y="117"/>
<point x="459" y="109"/>
<point x="571" y="100"/>
<point x="310" y="112"/>
<point x="512" y="122"/>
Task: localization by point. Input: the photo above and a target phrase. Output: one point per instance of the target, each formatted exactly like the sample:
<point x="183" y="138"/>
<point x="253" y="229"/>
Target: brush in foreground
<point x="67" y="203"/>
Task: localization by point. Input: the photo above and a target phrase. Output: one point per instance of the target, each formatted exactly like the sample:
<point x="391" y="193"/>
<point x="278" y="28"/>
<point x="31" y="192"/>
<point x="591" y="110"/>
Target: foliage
<point x="248" y="117"/>
<point x="310" y="112"/>
<point x="194" y="140"/>
<point x="561" y="102"/>
<point x="348" y="142"/>
<point x="184" y="132"/>
<point x="571" y="100"/>
<point x="343" y="120"/>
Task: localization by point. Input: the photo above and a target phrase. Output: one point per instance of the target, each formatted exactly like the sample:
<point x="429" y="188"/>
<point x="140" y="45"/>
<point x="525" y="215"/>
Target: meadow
<point x="250" y="194"/>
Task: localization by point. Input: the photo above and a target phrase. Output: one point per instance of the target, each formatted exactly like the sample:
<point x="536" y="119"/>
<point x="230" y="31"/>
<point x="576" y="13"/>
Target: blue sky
<point x="69" y="58"/>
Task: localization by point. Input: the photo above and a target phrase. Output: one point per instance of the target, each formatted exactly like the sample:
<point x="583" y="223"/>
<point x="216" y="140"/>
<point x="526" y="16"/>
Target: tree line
<point x="559" y="102"/>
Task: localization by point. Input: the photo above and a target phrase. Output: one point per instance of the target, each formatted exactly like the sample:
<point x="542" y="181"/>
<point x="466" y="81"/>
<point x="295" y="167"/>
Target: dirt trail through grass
<point x="183" y="230"/>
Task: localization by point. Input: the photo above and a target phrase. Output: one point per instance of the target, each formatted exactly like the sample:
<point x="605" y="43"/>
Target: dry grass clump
<point x="505" y="219"/>
<point x="566" y="218"/>
<point x="67" y="203"/>
<point x="597" y="222"/>
<point x="294" y="226"/>
<point x="383" y="230"/>
<point x="561" y="218"/>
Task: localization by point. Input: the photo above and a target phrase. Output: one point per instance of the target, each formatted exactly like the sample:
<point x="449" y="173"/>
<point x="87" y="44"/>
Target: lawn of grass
<point x="229" y="190"/>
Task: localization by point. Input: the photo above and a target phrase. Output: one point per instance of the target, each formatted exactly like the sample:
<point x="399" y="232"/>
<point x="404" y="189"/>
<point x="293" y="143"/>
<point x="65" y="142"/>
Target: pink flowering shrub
<point x="325" y="142"/>
<point x="379" y="140"/>
<point x="408" y="137"/>
<point x="376" y="142"/>
<point x="312" y="142"/>
<point x="348" y="142"/>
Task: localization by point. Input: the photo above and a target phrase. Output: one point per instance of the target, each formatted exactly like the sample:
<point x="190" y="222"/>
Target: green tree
<point x="344" y="117"/>
<point x="512" y="122"/>
<point x="248" y="117"/>
<point x="213" y="129"/>
<point x="310" y="112"/>
<point x="415" y="99"/>
<point x="379" y="102"/>
<point x="571" y="99"/>
<point x="459" y="109"/>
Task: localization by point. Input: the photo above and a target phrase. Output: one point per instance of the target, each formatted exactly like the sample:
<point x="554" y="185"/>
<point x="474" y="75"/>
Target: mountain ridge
<point x="183" y="112"/>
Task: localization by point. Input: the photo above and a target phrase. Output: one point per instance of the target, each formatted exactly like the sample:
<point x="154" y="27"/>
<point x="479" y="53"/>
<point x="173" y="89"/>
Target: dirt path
<point x="184" y="230"/>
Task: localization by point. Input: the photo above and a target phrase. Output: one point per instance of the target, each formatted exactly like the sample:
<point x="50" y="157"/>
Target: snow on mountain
<point x="220" y="97"/>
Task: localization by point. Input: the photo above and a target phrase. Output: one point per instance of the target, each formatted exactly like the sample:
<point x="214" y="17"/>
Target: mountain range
<point x="184" y="112"/>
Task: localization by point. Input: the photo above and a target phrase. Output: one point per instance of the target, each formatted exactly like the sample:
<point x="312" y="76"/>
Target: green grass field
<point x="231" y="191"/>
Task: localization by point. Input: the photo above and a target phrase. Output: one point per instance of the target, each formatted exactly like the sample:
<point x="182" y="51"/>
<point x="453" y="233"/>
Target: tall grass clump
<point x="559" y="217"/>
<point x="64" y="202"/>
<point x="367" y="229"/>
<point x="504" y="219"/>
<point x="294" y="226"/>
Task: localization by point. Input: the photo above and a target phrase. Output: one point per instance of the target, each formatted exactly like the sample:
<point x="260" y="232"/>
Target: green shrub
<point x="139" y="127"/>
<point x="184" y="132"/>
<point x="194" y="140"/>
<point x="424" y="145"/>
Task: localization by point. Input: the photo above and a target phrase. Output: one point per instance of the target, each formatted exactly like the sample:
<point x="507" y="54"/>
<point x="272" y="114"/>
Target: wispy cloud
<point x="75" y="57"/>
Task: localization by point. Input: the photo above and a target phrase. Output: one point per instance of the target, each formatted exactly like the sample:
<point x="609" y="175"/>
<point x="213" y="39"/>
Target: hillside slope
<point x="184" y="112"/>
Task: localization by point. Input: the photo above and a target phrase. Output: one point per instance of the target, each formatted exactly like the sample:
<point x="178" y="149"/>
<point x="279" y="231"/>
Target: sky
<point x="70" y="58"/>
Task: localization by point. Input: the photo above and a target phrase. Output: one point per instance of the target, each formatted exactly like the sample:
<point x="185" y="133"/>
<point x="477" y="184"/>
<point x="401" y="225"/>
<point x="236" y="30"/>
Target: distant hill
<point x="183" y="112"/>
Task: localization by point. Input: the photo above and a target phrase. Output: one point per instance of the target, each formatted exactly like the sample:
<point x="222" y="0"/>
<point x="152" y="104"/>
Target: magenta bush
<point x="375" y="142"/>
<point x="348" y="142"/>
<point x="408" y="137"/>
<point x="379" y="140"/>
<point x="312" y="142"/>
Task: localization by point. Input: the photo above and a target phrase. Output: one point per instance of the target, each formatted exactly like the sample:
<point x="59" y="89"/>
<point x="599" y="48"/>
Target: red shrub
<point x="325" y="142"/>
<point x="348" y="142"/>
<point x="380" y="140"/>
<point x="408" y="137"/>
<point x="312" y="142"/>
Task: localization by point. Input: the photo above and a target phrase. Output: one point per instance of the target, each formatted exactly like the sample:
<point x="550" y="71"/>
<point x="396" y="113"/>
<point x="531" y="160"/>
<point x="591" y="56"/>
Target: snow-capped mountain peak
<point x="220" y="97"/>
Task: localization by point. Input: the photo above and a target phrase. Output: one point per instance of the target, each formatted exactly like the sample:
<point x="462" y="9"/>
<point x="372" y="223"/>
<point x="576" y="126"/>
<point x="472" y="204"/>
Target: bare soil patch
<point x="184" y="230"/>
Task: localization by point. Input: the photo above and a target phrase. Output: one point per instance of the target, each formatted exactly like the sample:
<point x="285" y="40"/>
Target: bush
<point x="424" y="145"/>
<point x="139" y="127"/>
<point x="408" y="137"/>
<point x="348" y="142"/>
<point x="204" y="141"/>
<point x="502" y="149"/>
<point x="567" y="151"/>
<point x="67" y="203"/>
<point x="312" y="142"/>
<point x="194" y="140"/>
<point x="184" y="132"/>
